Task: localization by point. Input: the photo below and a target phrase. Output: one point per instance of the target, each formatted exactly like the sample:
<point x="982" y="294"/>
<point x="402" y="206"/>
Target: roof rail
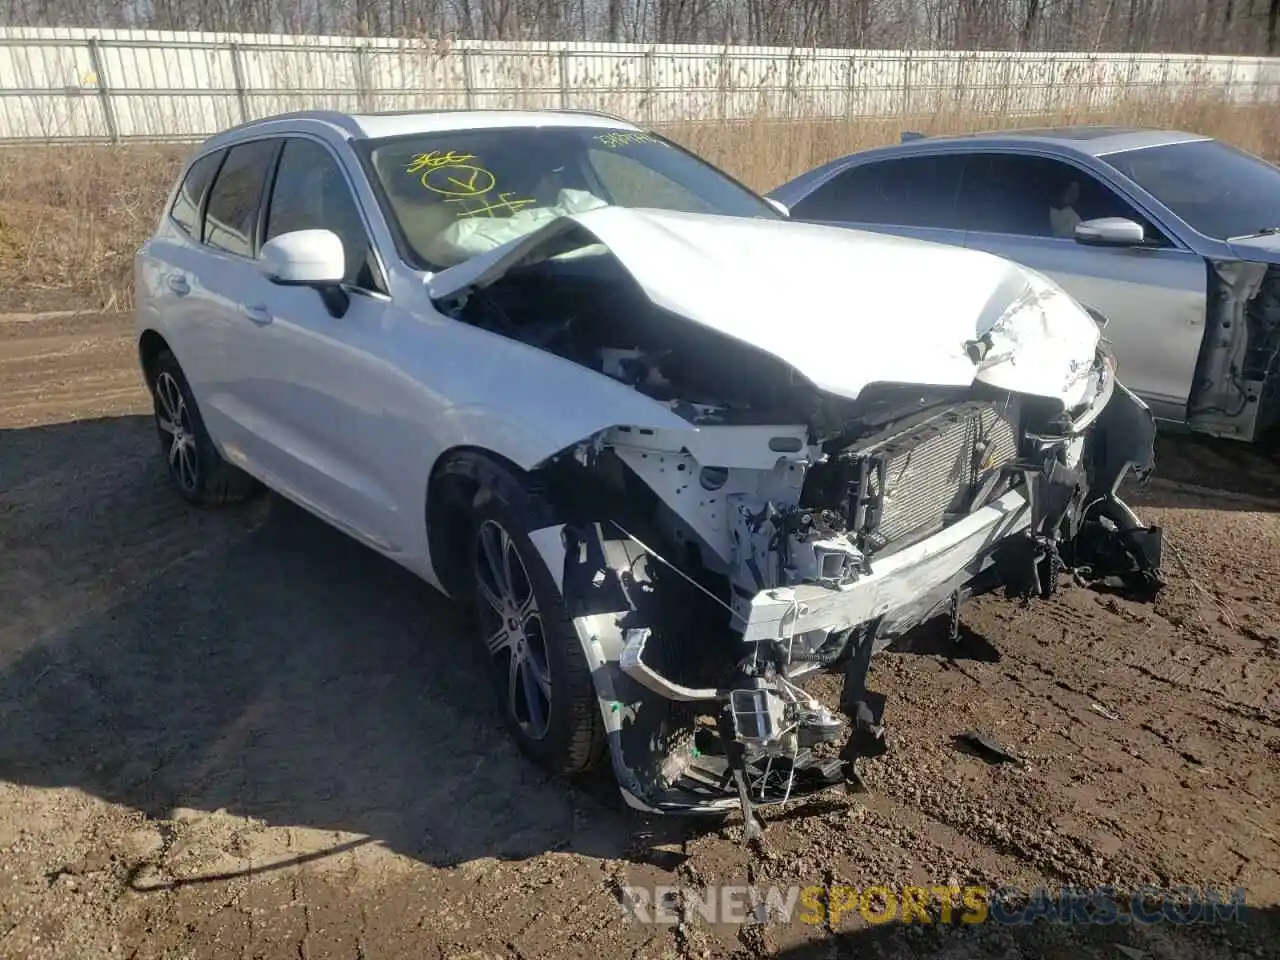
<point x="588" y="112"/>
<point x="336" y="117"/>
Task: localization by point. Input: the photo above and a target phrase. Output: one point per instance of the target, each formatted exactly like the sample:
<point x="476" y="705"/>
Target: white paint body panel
<point x="844" y="308"/>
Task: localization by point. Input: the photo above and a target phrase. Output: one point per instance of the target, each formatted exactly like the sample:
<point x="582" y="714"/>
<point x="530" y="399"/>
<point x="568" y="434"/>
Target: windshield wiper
<point x="1260" y="232"/>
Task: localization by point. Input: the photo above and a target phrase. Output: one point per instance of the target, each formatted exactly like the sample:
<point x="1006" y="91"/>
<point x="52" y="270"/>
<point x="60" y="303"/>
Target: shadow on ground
<point x="1224" y="474"/>
<point x="251" y="659"/>
<point x="1254" y="932"/>
<point x="254" y="660"/>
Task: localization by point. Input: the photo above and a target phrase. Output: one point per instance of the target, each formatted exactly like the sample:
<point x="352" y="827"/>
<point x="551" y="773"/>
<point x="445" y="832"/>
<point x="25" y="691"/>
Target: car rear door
<point x="1023" y="206"/>
<point x="910" y="196"/>
<point x="220" y="347"/>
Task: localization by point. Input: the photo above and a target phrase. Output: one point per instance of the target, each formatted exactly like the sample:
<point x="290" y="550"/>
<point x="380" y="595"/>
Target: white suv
<point x="676" y="449"/>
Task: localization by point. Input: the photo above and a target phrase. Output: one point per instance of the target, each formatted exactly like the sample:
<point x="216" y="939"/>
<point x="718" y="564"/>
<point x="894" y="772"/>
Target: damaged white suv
<point x="676" y="449"/>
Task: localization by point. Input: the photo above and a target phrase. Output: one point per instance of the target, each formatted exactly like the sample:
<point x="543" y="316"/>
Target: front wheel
<point x="531" y="650"/>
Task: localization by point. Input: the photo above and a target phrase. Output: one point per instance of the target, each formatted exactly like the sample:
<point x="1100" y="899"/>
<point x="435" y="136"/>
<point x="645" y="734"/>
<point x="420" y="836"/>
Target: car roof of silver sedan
<point x="1096" y="141"/>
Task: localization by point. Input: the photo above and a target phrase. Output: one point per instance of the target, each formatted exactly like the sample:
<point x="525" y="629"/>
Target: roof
<point x="1095" y="141"/>
<point x="392" y="124"/>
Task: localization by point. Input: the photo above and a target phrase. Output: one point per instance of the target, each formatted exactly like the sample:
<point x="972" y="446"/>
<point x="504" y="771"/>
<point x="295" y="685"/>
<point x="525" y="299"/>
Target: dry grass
<point x="71" y="217"/>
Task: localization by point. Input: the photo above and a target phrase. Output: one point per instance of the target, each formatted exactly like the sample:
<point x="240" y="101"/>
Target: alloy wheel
<point x="174" y="420"/>
<point x="513" y="629"/>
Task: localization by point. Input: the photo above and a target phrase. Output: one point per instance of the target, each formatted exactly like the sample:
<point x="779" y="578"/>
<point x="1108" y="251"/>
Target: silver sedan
<point x="1172" y="239"/>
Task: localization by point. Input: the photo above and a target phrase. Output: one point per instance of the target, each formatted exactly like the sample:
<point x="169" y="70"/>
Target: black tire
<point x="571" y="740"/>
<point x="192" y="461"/>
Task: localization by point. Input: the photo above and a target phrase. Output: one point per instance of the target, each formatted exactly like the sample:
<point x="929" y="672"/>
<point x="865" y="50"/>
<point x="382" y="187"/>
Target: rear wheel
<point x="196" y="468"/>
<point x="535" y="661"/>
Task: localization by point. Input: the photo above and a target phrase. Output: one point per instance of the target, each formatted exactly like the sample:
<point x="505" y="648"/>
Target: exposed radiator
<point x="918" y="479"/>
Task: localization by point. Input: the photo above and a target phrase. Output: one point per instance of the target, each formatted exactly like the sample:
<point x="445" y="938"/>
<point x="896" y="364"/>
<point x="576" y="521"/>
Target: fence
<point x="113" y="85"/>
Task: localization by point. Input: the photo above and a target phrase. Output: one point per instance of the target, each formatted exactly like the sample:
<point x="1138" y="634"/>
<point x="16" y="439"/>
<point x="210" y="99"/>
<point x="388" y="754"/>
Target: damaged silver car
<point x="1173" y="238"/>
<point x="676" y="450"/>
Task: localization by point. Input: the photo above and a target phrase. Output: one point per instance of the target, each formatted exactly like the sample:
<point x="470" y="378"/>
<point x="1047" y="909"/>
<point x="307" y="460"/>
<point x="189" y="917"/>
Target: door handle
<point x="178" y="284"/>
<point x="257" y="314"/>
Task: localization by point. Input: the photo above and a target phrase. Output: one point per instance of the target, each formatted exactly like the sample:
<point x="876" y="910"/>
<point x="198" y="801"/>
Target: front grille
<point x="921" y="478"/>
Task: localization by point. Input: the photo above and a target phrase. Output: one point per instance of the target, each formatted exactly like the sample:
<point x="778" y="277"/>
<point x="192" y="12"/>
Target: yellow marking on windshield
<point x="504" y="204"/>
<point x="624" y="138"/>
<point x="458" y="180"/>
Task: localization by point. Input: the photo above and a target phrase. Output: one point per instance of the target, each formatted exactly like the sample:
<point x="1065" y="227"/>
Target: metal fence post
<point x="364" y="78"/>
<point x="650" y="94"/>
<point x="467" y="84"/>
<point x="792" y="97"/>
<point x="237" y="72"/>
<point x="850" y="86"/>
<point x="724" y="83"/>
<point x="563" y="57"/>
<point x="104" y="90"/>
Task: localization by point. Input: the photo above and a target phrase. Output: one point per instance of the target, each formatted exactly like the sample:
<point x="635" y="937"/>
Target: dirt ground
<point x="239" y="734"/>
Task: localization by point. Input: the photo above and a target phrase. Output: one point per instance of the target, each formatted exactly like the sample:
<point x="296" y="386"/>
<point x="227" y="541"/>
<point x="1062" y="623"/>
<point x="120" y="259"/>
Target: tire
<point x="531" y="652"/>
<point x="194" y="465"/>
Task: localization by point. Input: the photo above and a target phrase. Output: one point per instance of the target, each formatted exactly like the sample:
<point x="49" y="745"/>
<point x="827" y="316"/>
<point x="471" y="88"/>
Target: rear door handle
<point x="257" y="314"/>
<point x="178" y="284"/>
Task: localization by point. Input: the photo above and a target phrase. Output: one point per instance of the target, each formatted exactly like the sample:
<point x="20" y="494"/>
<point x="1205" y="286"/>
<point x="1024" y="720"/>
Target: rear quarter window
<point x="190" y="199"/>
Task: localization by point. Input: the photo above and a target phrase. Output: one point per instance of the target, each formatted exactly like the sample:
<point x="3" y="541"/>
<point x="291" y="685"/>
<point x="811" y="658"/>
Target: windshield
<point x="1219" y="190"/>
<point x="456" y="194"/>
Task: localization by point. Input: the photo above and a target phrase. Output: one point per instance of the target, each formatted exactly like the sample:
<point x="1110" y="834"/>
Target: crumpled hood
<point x="844" y="308"/>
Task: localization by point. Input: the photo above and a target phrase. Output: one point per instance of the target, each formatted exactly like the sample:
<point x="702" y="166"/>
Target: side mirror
<point x="1110" y="232"/>
<point x="778" y="205"/>
<point x="304" y="258"/>
<point x="309" y="258"/>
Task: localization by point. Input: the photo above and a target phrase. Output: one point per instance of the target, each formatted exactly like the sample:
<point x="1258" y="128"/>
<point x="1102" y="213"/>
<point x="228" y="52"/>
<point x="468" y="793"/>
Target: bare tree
<point x="1190" y="26"/>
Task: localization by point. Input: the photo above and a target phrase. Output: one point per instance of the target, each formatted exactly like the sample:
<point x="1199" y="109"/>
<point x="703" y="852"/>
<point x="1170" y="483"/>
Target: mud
<point x="237" y="733"/>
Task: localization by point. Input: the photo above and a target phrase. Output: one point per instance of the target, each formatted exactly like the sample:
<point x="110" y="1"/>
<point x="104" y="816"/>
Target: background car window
<point x="909" y="192"/>
<point x="232" y="216"/>
<point x="1220" y="190"/>
<point x="186" y="205"/>
<point x="310" y="193"/>
<point x="1038" y="197"/>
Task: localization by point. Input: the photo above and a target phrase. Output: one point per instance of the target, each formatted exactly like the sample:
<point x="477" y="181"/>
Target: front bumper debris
<point x="702" y="710"/>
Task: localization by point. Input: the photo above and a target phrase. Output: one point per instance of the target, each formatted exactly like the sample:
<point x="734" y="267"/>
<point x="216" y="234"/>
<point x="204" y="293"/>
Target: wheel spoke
<point x="187" y="464"/>
<point x="524" y="692"/>
<point x="492" y="599"/>
<point x="165" y="424"/>
<point x="491" y="543"/>
<point x="541" y="675"/>
<point x="508" y="567"/>
<point x="528" y="608"/>
<point x="499" y="640"/>
<point x="175" y="452"/>
<point x="166" y="390"/>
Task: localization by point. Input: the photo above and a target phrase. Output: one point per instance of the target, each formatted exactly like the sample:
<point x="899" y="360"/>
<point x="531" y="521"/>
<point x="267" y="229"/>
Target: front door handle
<point x="178" y="284"/>
<point x="257" y="314"/>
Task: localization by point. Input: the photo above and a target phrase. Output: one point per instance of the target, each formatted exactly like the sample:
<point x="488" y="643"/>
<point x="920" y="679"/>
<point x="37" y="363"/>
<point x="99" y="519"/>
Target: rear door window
<point x="190" y="199"/>
<point x="231" y="221"/>
<point x="909" y="192"/>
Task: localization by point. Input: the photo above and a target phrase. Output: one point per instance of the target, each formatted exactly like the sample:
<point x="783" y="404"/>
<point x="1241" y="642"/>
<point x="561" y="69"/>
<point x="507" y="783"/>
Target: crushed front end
<point x="705" y="579"/>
